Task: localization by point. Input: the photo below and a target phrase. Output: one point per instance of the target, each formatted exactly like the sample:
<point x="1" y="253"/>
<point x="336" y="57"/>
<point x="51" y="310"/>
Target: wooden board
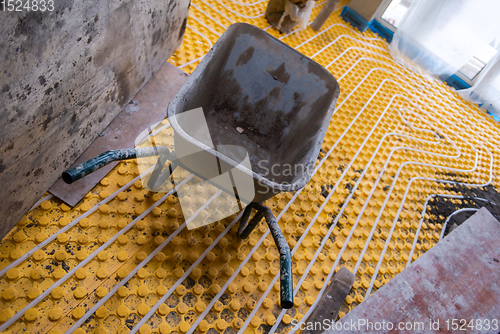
<point x="332" y="300"/>
<point x="456" y="279"/>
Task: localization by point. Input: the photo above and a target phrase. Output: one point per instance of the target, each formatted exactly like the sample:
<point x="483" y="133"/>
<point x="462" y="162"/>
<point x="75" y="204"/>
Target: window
<point x="477" y="63"/>
<point x="395" y="11"/>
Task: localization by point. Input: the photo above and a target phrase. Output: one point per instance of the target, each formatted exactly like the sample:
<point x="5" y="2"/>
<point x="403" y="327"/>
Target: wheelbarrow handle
<point x="89" y="166"/>
<point x="286" y="281"/>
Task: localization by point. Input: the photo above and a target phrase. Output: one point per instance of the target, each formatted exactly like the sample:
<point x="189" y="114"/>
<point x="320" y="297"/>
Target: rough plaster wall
<point x="365" y="8"/>
<point x="64" y="76"/>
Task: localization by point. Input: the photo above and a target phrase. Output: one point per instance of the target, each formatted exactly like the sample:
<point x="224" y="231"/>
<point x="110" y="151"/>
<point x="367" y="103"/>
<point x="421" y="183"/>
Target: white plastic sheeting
<point x="441" y="36"/>
<point x="486" y="90"/>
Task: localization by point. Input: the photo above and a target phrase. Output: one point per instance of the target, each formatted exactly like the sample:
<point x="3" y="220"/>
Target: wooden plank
<point x="324" y="14"/>
<point x="66" y="74"/>
<point x="333" y="299"/>
<point x="457" y="279"/>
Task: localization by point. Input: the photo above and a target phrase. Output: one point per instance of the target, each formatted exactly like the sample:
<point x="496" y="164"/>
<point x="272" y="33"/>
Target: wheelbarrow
<point x="263" y="103"/>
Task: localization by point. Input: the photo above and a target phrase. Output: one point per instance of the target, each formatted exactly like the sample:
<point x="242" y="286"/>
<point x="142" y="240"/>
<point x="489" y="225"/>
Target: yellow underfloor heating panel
<point x="122" y="260"/>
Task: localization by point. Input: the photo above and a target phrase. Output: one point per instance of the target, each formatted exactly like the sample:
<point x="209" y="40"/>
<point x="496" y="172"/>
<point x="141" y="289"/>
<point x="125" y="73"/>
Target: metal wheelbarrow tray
<point x="262" y="101"/>
<point x="259" y="94"/>
<point x="282" y="100"/>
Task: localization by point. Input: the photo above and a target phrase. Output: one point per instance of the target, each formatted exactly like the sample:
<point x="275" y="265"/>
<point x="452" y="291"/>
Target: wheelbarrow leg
<point x="157" y="176"/>
<point x="244" y="219"/>
<point x="286" y="282"/>
<point x="246" y="228"/>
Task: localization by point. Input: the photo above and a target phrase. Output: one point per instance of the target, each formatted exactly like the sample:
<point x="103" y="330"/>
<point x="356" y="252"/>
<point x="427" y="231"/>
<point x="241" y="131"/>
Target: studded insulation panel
<point x="122" y="261"/>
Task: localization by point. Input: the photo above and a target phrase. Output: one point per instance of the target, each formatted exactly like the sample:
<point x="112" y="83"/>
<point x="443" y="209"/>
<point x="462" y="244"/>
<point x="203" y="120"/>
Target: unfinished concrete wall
<point x="365" y="8"/>
<point x="65" y="75"/>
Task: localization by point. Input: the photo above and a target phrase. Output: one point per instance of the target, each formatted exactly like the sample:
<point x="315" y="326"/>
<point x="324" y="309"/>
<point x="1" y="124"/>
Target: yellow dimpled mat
<point x="399" y="148"/>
